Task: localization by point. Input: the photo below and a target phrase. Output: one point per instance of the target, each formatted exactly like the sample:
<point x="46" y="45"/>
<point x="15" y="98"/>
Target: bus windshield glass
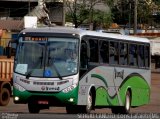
<point x="46" y="56"/>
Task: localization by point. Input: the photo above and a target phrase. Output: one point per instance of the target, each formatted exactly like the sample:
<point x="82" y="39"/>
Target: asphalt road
<point x="152" y="110"/>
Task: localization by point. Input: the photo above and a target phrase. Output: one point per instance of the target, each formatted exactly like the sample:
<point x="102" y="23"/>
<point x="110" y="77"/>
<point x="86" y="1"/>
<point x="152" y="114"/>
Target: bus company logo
<point x="50" y="88"/>
<point x="43" y="87"/>
<point x="119" y="74"/>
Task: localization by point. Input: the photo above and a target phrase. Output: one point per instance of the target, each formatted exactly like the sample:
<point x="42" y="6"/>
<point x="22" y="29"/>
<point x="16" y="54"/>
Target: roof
<point x="13" y="25"/>
<point x="81" y="32"/>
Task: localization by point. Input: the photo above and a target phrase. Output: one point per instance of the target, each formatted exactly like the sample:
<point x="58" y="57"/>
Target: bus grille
<point x="43" y="83"/>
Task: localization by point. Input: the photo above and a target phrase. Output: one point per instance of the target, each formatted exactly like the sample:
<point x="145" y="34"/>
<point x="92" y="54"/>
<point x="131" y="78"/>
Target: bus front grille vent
<point x="43" y="83"/>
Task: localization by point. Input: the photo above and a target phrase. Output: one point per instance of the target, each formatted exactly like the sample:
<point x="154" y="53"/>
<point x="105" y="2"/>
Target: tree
<point x="83" y="11"/>
<point x="124" y="10"/>
<point x="157" y="2"/>
<point x="149" y="12"/>
<point x="101" y="19"/>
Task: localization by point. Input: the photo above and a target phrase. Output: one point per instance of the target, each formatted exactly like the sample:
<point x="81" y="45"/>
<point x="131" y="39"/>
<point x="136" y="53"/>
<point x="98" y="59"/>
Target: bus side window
<point x="141" y="62"/>
<point x="113" y="50"/>
<point x="123" y="54"/>
<point x="93" y="43"/>
<point x="133" y="55"/>
<point x="104" y="51"/>
<point x="83" y="56"/>
<point x="147" y="56"/>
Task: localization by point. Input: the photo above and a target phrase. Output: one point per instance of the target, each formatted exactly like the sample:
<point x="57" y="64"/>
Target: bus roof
<point x="81" y="33"/>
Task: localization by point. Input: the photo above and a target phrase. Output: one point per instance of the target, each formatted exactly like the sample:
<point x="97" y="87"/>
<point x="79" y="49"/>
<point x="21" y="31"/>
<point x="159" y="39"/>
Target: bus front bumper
<point x="53" y="98"/>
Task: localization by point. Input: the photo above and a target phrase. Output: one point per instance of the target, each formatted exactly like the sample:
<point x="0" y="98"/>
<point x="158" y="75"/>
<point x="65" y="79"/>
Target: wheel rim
<point x="127" y="102"/>
<point x="89" y="102"/>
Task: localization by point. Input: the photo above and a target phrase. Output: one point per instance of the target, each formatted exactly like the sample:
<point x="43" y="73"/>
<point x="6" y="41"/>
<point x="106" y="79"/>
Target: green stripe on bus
<point x="139" y="87"/>
<point x="101" y="78"/>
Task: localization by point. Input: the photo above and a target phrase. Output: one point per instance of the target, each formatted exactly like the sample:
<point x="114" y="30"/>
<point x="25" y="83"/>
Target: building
<point x="17" y="9"/>
<point x="12" y="13"/>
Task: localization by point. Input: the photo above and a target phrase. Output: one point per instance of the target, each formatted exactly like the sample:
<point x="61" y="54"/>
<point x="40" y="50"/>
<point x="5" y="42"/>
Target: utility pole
<point x="129" y="15"/>
<point x="91" y="15"/>
<point x="29" y="7"/>
<point x="135" y="17"/>
<point x="63" y="14"/>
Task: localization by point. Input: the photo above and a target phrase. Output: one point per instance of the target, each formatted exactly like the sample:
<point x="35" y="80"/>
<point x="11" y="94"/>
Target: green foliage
<point x="102" y="19"/>
<point x="157" y="2"/>
<point x="144" y="12"/>
<point x="82" y="11"/>
<point x="124" y="9"/>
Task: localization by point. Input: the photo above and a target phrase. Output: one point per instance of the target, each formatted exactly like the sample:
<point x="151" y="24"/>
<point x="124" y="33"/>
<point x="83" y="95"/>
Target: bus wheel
<point x="115" y="110"/>
<point x="89" y="103"/>
<point x="4" y="97"/>
<point x="33" y="108"/>
<point x="127" y="106"/>
<point x="88" y="107"/>
<point x="70" y="109"/>
<point x="124" y="109"/>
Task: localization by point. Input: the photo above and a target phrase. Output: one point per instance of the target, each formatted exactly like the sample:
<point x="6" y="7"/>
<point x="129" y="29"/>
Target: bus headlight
<point x="66" y="90"/>
<point x="18" y="87"/>
<point x="16" y="98"/>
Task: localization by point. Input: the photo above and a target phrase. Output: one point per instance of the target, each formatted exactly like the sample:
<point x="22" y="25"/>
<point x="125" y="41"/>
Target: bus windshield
<point x="46" y="57"/>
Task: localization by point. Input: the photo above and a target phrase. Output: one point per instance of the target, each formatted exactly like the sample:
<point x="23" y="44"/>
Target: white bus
<point x="81" y="70"/>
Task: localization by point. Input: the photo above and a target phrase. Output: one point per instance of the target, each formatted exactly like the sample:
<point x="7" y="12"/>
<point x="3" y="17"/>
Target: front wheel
<point x="4" y="97"/>
<point x="33" y="108"/>
<point x="89" y="106"/>
<point x="72" y="109"/>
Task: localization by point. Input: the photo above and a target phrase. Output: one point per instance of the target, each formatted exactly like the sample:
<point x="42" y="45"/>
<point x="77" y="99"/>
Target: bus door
<point x="83" y="58"/>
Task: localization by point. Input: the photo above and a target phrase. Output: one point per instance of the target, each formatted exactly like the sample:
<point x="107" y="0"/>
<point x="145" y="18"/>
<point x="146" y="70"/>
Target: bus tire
<point x="127" y="106"/>
<point x="33" y="108"/>
<point x="87" y="108"/>
<point x="123" y="109"/>
<point x="89" y="103"/>
<point x="115" y="110"/>
<point x="71" y="109"/>
<point x="4" y="97"/>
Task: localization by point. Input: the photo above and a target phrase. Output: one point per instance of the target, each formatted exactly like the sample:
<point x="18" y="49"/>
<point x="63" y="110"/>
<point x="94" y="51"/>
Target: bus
<point x="81" y="70"/>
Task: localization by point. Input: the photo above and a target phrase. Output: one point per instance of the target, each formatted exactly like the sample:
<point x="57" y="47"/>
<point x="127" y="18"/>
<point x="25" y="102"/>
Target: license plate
<point x="45" y="102"/>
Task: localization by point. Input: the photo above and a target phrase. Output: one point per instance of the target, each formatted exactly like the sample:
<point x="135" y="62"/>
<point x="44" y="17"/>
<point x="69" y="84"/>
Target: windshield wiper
<point x="36" y="64"/>
<point x="55" y="68"/>
<point x="30" y="72"/>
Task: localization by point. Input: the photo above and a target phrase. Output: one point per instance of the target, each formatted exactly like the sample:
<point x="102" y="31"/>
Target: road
<point x="13" y="111"/>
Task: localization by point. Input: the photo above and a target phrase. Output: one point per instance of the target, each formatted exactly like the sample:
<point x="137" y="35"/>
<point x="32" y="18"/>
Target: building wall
<point x="17" y="10"/>
<point x="6" y="36"/>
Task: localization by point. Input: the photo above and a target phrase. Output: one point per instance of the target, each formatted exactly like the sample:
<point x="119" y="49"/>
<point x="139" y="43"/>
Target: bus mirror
<point x="8" y="52"/>
<point x="9" y="47"/>
<point x="12" y="41"/>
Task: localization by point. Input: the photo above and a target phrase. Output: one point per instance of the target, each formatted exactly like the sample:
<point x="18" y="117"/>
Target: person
<point x="72" y="61"/>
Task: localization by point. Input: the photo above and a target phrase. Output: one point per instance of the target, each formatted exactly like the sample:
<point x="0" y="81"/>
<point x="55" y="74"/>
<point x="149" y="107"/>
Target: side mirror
<point x="8" y="52"/>
<point x="9" y="48"/>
